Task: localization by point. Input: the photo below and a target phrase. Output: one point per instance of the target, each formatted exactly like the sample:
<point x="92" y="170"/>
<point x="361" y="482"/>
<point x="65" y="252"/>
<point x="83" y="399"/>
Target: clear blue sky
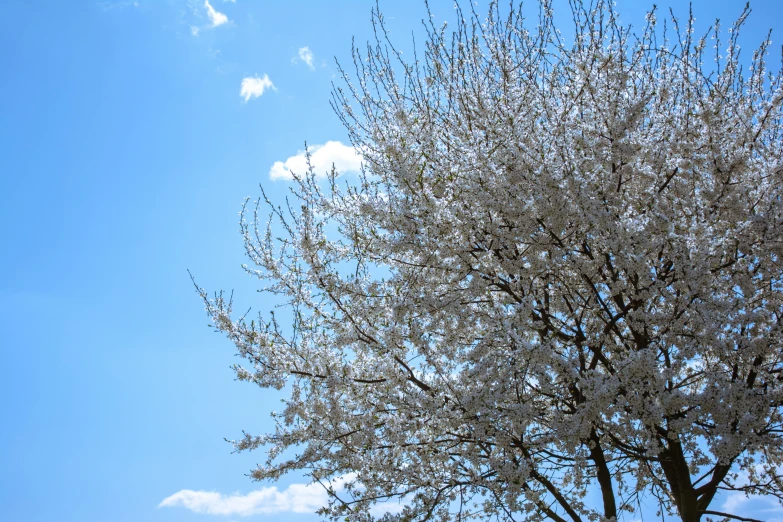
<point x="126" y="150"/>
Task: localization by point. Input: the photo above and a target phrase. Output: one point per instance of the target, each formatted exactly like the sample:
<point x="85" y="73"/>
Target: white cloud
<point x="216" y="18"/>
<point x="296" y="498"/>
<point x="111" y="6"/>
<point x="253" y="86"/>
<point x="753" y="505"/>
<point x="344" y="158"/>
<point x="737" y="502"/>
<point x="306" y="55"/>
<point x="734" y="500"/>
<point x="194" y="30"/>
<point x="393" y="507"/>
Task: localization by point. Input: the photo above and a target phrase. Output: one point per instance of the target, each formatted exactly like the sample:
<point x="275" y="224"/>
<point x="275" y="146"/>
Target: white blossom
<point x="560" y="270"/>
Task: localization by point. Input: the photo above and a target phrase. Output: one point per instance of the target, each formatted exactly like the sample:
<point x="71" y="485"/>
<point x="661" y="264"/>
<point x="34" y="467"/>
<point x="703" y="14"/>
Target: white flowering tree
<point x="554" y="293"/>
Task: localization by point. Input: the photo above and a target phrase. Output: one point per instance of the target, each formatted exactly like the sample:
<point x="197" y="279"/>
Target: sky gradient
<point x="130" y="134"/>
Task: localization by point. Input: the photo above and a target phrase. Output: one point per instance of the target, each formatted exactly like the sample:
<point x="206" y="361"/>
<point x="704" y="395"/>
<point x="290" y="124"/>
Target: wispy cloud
<point x="296" y="498"/>
<point x="322" y="157"/>
<point x="306" y="55"/>
<point x="216" y="18"/>
<point x="393" y="507"/>
<point x="111" y="6"/>
<point x="737" y="502"/>
<point x="734" y="500"/>
<point x="253" y="86"/>
<point x="755" y="505"/>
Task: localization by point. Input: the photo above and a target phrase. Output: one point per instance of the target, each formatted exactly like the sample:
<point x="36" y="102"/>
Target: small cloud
<point x="296" y="498"/>
<point x="112" y="6"/>
<point x="393" y="507"/>
<point x="253" y="86"/>
<point x="216" y="18"/>
<point x="734" y="500"/>
<point x="194" y="30"/>
<point x="322" y="157"/>
<point x="306" y="55"/>
<point x="754" y="505"/>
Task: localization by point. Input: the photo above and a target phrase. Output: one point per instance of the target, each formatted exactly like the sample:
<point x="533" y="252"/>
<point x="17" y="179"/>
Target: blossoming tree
<point x="554" y="293"/>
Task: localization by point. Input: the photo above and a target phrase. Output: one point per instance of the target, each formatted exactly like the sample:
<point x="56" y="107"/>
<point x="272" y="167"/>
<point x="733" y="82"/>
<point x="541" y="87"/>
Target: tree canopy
<point x="560" y="272"/>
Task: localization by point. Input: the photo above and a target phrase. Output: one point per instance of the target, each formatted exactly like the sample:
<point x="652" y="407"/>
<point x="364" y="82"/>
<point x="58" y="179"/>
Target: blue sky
<point x="130" y="134"/>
